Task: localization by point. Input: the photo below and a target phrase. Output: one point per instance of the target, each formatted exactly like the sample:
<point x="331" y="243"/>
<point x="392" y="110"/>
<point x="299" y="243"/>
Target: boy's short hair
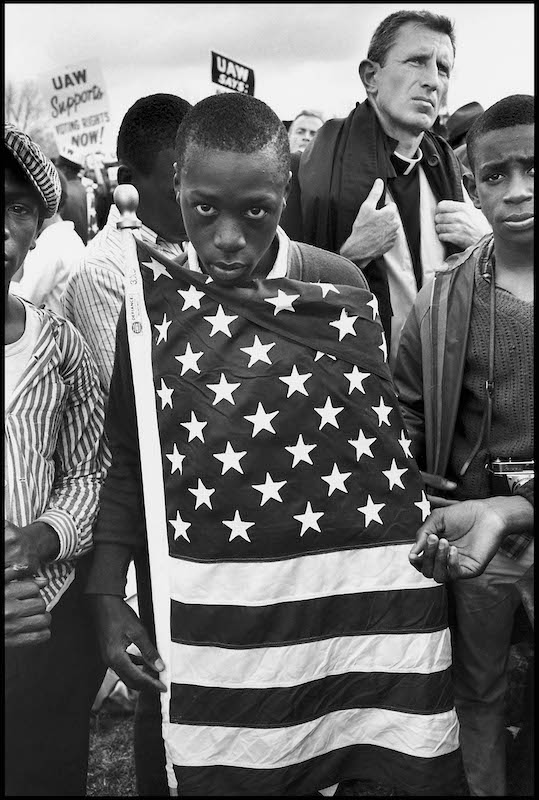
<point x="385" y="34"/>
<point x="149" y="127"/>
<point x="34" y="167"/>
<point x="517" y="109"/>
<point x="234" y="122"/>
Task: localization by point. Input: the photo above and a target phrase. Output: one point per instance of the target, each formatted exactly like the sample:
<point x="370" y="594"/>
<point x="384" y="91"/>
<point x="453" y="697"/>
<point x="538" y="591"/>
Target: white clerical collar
<point x="410" y="161"/>
<point x="279" y="269"/>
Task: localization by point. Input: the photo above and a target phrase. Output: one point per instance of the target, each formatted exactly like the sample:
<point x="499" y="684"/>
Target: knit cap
<point x="40" y="170"/>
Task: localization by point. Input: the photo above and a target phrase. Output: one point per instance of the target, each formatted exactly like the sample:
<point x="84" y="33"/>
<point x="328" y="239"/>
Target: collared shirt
<point x="53" y="458"/>
<point x="280" y="266"/>
<point x="95" y="291"/>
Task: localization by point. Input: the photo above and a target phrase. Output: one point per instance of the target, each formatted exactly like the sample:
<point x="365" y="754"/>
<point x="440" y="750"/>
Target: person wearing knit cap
<point x="464" y="379"/>
<point x="54" y="416"/>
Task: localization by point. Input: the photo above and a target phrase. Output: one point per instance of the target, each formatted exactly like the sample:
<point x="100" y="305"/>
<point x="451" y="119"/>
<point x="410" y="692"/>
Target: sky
<point x="304" y="55"/>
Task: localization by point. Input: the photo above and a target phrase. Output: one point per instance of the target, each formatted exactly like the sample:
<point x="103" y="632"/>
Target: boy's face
<point x="502" y="185"/>
<point x="231" y="205"/>
<point x="21" y="221"/>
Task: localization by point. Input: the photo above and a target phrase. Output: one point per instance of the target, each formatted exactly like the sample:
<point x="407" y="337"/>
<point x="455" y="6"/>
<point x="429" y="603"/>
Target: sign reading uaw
<point x="78" y="106"/>
<point x="231" y="75"/>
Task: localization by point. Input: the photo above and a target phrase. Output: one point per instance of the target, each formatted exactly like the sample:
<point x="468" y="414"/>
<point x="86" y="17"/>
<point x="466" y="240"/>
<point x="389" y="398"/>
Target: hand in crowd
<point x="118" y="627"/>
<point x="26" y="621"/>
<point x="458" y="541"/>
<point x="19" y="547"/>
<point x="460" y="224"/>
<point x="374" y="230"/>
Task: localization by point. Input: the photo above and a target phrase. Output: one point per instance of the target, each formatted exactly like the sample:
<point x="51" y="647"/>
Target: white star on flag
<point x="202" y="494"/>
<point x="309" y="519"/>
<point x="424" y="506"/>
<point x="327" y="287"/>
<point x="220" y="322"/>
<point x="345" y="325"/>
<point x="405" y="444"/>
<point x="176" y="460"/>
<point x="383" y="346"/>
<point x="157" y="269"/>
<point x="194" y="427"/>
<point x="189" y="360"/>
<point x="238" y="527"/>
<point x="328" y="414"/>
<point x="336" y="480"/>
<point x="223" y="390"/>
<point x="382" y="411"/>
<point x="230" y="458"/>
<point x="165" y="394"/>
<point x="393" y="474"/>
<point x="180" y="527"/>
<point x="371" y="511"/>
<point x="283" y="301"/>
<point x="356" y="379"/>
<point x="258" y="351"/>
<point x="269" y="489"/>
<point x="296" y="382"/>
<point x="374" y="305"/>
<point x="362" y="445"/>
<point x="191" y="298"/>
<point x="163" y="329"/>
<point x="320" y="354"/>
<point x="261" y="421"/>
<point x="301" y="451"/>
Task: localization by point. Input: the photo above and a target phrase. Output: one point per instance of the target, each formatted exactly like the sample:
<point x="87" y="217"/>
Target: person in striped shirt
<point x="54" y="415"/>
<point x="94" y="292"/>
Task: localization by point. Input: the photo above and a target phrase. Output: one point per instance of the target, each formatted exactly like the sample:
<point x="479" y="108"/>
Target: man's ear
<point x="176" y="182"/>
<point x="471" y="187"/>
<point x="288" y="186"/>
<point x="125" y="174"/>
<point x="368" y="70"/>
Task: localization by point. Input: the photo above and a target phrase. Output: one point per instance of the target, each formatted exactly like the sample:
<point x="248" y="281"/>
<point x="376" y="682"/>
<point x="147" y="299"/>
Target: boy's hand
<point x="374" y="230"/>
<point x="442" y="485"/>
<point x="459" y="223"/>
<point x="459" y="541"/>
<point x="117" y="627"/>
<point x="26" y="622"/>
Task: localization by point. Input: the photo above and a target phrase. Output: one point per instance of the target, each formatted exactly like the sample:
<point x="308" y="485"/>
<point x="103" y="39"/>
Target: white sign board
<point x="231" y="76"/>
<point x="77" y="103"/>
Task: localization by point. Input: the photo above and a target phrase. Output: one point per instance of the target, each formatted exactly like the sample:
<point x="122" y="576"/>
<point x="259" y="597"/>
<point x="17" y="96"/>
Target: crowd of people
<point x="327" y="579"/>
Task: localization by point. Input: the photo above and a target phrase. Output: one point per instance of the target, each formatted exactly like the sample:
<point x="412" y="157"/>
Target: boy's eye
<point x="205" y="210"/>
<point x="256" y="213"/>
<point x="494" y="177"/>
<point x="531" y="171"/>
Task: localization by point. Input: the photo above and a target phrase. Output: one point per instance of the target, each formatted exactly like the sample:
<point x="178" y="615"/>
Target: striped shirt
<point x="95" y="291"/>
<point x="53" y="458"/>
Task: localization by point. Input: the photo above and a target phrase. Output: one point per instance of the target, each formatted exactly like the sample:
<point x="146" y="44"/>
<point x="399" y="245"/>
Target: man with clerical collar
<point x="357" y="189"/>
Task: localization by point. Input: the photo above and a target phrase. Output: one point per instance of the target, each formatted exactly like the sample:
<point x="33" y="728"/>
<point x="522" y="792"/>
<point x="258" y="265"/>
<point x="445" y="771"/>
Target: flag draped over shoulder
<point x="304" y="649"/>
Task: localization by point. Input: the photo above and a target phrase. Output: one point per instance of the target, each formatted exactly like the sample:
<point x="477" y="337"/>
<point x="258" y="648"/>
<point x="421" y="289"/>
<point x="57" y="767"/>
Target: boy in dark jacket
<point x="464" y="378"/>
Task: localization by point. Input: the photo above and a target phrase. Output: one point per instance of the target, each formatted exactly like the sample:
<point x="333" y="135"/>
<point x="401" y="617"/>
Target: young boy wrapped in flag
<point x="272" y="484"/>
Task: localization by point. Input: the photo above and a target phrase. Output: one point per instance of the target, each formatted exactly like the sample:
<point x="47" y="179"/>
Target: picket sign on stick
<point x="140" y="348"/>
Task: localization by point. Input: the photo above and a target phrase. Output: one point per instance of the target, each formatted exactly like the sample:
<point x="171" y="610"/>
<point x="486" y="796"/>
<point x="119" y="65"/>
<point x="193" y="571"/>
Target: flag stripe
<point x="411" y="774"/>
<point x="260" y="583"/>
<point x="267" y="708"/>
<point x="402" y="611"/>
<point x="204" y="745"/>
<point x="267" y="667"/>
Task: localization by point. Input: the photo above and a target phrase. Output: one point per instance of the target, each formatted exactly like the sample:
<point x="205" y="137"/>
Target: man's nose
<point x="229" y="236"/>
<point x="431" y="76"/>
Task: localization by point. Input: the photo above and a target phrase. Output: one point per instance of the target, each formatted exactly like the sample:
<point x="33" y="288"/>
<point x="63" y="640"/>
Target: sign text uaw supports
<point x="77" y="103"/>
<point x="231" y="76"/>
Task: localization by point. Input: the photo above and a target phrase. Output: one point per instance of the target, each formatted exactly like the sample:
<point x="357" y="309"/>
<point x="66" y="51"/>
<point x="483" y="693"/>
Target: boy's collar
<point x="280" y="266"/>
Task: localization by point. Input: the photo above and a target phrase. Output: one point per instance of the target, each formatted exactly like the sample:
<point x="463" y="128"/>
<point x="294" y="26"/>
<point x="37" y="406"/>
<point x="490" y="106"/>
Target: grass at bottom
<point x="111" y="764"/>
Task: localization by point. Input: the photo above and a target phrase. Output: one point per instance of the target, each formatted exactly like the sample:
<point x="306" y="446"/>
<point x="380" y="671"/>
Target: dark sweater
<point x="512" y="418"/>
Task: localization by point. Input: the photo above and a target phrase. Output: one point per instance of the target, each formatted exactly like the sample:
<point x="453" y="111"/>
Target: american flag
<point x="304" y="649"/>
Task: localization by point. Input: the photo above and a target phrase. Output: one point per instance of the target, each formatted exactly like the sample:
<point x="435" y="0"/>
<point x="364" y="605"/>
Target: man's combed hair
<point x="149" y="127"/>
<point x="385" y="34"/>
<point x="234" y="122"/>
<point x="517" y="109"/>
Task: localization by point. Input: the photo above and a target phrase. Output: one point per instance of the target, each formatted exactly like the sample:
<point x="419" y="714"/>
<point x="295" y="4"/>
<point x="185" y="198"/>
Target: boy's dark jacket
<point x="334" y="175"/>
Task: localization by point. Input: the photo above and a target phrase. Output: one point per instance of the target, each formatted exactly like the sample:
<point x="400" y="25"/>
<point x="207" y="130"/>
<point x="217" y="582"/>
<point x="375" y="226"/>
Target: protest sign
<point x="231" y="76"/>
<point x="77" y="104"/>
